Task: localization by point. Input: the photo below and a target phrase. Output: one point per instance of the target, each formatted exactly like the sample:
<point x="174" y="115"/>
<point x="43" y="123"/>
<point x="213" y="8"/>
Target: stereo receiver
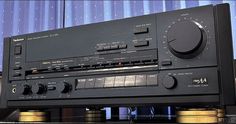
<point x="176" y="57"/>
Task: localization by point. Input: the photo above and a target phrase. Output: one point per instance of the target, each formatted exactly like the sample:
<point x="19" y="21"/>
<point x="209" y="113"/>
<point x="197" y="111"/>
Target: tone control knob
<point x="39" y="89"/>
<point x="169" y="82"/>
<point x="63" y="87"/>
<point x="25" y="89"/>
<point x="186" y="39"/>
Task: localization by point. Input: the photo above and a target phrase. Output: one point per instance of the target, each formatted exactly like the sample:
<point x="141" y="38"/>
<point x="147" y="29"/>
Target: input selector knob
<point x="26" y="89"/>
<point x="169" y="82"/>
<point x="63" y="87"/>
<point x="39" y="89"/>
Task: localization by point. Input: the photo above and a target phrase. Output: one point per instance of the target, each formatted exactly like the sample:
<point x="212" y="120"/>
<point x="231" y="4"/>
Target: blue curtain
<point x="20" y="17"/>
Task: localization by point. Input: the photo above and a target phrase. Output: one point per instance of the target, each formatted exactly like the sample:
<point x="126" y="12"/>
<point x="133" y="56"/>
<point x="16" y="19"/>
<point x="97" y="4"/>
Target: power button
<point x="17" y="50"/>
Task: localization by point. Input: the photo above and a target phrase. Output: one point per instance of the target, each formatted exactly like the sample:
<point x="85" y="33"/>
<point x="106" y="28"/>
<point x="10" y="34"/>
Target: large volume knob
<point x="39" y="88"/>
<point x="63" y="87"/>
<point x="169" y="82"/>
<point x="186" y="39"/>
<point x="26" y="89"/>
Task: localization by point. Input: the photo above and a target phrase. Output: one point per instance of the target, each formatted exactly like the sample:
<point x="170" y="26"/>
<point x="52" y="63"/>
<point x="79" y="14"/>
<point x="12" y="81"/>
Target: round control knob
<point x="186" y="39"/>
<point x="25" y="89"/>
<point x="63" y="87"/>
<point x="39" y="88"/>
<point x="169" y="82"/>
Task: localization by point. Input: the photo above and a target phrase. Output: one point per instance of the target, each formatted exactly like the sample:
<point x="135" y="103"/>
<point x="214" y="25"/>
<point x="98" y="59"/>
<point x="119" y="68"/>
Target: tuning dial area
<point x="169" y="82"/>
<point x="26" y="89"/>
<point x="39" y="89"/>
<point x="63" y="87"/>
<point x="186" y="39"/>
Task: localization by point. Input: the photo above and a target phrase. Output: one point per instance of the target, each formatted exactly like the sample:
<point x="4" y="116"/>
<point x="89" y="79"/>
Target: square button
<point x="80" y="83"/>
<point x="17" y="50"/>
<point x="130" y="80"/>
<point x="140" y="80"/>
<point x="109" y="81"/>
<point x="99" y="83"/>
<point x="152" y="79"/>
<point x="90" y="83"/>
<point x="120" y="81"/>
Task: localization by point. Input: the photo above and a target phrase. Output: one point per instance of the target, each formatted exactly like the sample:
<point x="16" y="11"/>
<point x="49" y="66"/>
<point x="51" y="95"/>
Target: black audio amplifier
<point x="177" y="57"/>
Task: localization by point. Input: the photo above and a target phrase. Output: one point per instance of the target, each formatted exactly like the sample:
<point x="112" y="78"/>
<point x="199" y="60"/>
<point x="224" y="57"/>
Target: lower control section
<point x="145" y="84"/>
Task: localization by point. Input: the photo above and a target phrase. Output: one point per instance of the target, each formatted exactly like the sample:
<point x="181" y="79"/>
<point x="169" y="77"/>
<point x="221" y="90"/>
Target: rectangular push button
<point x="141" y="43"/>
<point x="120" y="81"/>
<point x="100" y="48"/>
<point x="140" y="80"/>
<point x="166" y="63"/>
<point x="17" y="50"/>
<point x="152" y="79"/>
<point x="51" y="88"/>
<point x="109" y="81"/>
<point x="122" y="46"/>
<point x="17" y="68"/>
<point x="114" y="47"/>
<point x="17" y="75"/>
<point x="99" y="83"/>
<point x="80" y="83"/>
<point x="90" y="83"/>
<point x="141" y="30"/>
<point x="130" y="80"/>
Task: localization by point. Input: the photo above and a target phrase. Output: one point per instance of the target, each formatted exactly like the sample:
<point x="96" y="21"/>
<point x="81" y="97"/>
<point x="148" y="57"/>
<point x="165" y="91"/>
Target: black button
<point x="166" y="63"/>
<point x="100" y="48"/>
<point x="141" y="30"/>
<point x="51" y="88"/>
<point x="106" y="47"/>
<point x="17" y="75"/>
<point x="105" y="64"/>
<point x="141" y="43"/>
<point x="114" y="47"/>
<point x="17" y="50"/>
<point x="122" y="46"/>
<point x="17" y="68"/>
<point x="147" y="61"/>
<point x="126" y="63"/>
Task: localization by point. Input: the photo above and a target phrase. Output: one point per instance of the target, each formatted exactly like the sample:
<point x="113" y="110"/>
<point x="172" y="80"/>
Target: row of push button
<point x="112" y="47"/>
<point x="117" y="81"/>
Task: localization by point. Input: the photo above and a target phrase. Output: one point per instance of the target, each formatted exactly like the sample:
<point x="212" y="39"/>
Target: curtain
<point x="20" y="17"/>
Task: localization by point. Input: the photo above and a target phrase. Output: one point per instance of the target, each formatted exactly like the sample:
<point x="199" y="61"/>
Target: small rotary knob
<point x="169" y="82"/>
<point x="26" y="89"/>
<point x="63" y="87"/>
<point x="39" y="88"/>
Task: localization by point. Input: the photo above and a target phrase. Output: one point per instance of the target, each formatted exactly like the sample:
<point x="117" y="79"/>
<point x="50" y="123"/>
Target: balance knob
<point x="63" y="87"/>
<point x="169" y="82"/>
<point x="39" y="89"/>
<point x="26" y="89"/>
